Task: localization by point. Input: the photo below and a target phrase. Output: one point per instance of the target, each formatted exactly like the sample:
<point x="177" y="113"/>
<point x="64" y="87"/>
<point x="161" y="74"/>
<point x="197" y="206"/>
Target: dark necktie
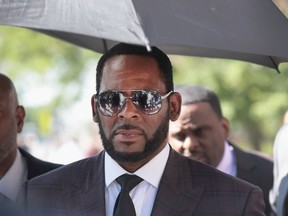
<point x="124" y="205"/>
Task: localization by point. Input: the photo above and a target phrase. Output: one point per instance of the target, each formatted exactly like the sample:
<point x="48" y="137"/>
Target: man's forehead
<point x="193" y="116"/>
<point x="114" y="61"/>
<point x="132" y="72"/>
<point x="188" y="112"/>
<point x="183" y="123"/>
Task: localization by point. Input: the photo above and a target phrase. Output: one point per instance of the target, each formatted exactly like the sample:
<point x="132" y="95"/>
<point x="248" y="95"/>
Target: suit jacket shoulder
<point x="36" y="166"/>
<point x="257" y="170"/>
<point x="74" y="189"/>
<point x="189" y="187"/>
<point x="253" y="166"/>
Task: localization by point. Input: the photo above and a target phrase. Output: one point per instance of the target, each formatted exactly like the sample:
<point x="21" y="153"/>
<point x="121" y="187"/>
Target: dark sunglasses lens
<point x="148" y="101"/>
<point x="109" y="103"/>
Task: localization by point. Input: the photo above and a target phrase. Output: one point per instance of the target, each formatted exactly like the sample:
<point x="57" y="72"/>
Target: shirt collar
<point x="157" y="164"/>
<point x="228" y="161"/>
<point x="11" y="182"/>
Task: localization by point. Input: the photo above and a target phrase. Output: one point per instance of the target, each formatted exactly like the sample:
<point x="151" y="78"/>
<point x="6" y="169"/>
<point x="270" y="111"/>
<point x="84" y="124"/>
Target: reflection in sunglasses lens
<point x="148" y="102"/>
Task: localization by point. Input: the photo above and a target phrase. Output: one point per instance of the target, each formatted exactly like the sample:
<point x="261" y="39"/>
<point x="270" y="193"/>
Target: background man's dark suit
<point x="257" y="170"/>
<point x="35" y="166"/>
<point x="187" y="187"/>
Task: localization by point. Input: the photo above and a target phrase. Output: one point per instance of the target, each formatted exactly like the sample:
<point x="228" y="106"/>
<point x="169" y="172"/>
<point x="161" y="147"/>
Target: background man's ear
<point x="226" y="127"/>
<point x="175" y="106"/>
<point x="20" y="116"/>
<point x="94" y="109"/>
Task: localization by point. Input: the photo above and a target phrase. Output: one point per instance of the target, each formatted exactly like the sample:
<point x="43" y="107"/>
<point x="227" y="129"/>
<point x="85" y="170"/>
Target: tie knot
<point x="128" y="182"/>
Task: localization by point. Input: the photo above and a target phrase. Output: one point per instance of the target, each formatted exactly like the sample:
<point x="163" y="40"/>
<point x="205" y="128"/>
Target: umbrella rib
<point x="105" y="45"/>
<point x="275" y="65"/>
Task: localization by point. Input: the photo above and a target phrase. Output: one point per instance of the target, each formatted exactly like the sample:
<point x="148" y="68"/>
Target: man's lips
<point x="131" y="132"/>
<point x="127" y="135"/>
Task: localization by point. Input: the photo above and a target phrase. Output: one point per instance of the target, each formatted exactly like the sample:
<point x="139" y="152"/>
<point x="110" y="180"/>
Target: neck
<point x="7" y="162"/>
<point x="133" y="166"/>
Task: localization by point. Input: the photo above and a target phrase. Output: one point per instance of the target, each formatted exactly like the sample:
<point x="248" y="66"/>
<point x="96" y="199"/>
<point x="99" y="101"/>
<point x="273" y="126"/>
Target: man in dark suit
<point x="16" y="165"/>
<point x="133" y="104"/>
<point x="201" y="133"/>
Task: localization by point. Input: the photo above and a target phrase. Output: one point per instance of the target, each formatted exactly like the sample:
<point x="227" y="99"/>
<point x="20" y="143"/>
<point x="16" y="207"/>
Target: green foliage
<point x="31" y="58"/>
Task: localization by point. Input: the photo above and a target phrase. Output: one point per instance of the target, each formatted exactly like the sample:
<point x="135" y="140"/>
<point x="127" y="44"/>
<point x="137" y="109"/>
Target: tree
<point x="34" y="60"/>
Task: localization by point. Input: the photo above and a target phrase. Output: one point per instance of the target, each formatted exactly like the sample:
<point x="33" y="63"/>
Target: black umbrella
<point x="250" y="30"/>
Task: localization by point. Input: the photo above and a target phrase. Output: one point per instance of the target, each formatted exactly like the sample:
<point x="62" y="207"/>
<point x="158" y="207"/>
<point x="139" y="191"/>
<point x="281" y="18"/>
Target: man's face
<point x="130" y="135"/>
<point x="199" y="133"/>
<point x="8" y="124"/>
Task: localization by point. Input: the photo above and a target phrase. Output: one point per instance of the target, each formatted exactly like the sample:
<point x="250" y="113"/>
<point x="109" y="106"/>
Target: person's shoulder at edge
<point x="29" y="156"/>
<point x="282" y="132"/>
<point x="253" y="153"/>
<point x="77" y="168"/>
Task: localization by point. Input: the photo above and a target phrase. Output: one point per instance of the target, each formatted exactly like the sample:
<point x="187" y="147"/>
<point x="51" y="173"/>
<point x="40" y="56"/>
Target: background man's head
<point x="201" y="129"/>
<point x="11" y="122"/>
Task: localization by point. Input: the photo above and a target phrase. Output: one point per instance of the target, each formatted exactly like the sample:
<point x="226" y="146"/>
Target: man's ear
<point x="94" y="109"/>
<point x="226" y="127"/>
<point x="175" y="106"/>
<point x="20" y="116"/>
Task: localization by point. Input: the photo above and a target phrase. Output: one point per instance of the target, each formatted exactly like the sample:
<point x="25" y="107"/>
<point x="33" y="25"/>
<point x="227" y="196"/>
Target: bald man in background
<point x="201" y="133"/>
<point x="16" y="165"/>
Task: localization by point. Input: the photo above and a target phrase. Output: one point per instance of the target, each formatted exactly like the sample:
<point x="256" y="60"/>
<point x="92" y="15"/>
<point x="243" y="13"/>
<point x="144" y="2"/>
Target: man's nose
<point x="190" y="143"/>
<point x="129" y="110"/>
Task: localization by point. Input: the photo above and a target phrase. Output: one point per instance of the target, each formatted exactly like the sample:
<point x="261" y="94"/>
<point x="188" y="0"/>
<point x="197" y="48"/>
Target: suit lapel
<point x="177" y="195"/>
<point x="87" y="196"/>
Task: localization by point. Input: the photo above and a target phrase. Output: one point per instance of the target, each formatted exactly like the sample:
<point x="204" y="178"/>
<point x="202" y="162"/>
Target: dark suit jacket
<point x="282" y="198"/>
<point x="187" y="187"/>
<point x="257" y="170"/>
<point x="36" y="166"/>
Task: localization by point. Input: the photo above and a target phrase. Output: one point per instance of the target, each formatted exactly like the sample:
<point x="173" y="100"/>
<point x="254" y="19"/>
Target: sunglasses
<point x="148" y="102"/>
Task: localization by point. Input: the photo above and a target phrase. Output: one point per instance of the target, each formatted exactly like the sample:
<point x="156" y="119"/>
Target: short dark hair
<point x="197" y="94"/>
<point x="161" y="58"/>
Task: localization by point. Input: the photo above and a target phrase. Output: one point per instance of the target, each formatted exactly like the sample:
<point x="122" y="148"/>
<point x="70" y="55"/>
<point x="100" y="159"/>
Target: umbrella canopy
<point x="250" y="30"/>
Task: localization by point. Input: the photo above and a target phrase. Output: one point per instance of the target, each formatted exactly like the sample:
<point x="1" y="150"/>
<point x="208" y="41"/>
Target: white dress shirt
<point x="143" y="195"/>
<point x="228" y="162"/>
<point x="11" y="182"/>
<point x="280" y="156"/>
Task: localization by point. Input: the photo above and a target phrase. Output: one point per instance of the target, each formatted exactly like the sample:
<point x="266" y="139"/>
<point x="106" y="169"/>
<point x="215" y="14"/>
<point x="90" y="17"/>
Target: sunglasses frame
<point x="131" y="98"/>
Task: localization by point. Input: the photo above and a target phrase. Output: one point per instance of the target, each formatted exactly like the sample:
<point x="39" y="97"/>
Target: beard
<point x="151" y="145"/>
